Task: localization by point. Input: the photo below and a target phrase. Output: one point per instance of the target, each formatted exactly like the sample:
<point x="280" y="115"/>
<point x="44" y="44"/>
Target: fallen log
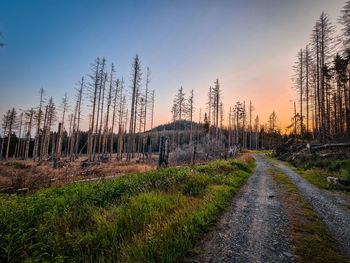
<point x="329" y="146"/>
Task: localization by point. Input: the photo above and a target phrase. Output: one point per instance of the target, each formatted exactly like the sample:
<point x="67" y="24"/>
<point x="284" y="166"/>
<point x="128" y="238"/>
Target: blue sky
<point x="249" y="45"/>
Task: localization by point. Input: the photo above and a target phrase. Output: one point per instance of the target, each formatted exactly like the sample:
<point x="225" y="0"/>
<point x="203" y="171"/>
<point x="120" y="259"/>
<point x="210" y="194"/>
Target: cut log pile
<point x="291" y="150"/>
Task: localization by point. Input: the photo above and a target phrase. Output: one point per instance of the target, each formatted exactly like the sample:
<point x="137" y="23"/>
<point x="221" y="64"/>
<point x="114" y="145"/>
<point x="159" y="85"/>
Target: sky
<point x="250" y="46"/>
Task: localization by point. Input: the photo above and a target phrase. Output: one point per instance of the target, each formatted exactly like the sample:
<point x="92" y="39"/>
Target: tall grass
<point x="146" y="217"/>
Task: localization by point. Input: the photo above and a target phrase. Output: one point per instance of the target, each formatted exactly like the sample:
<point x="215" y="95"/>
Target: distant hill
<point x="178" y="125"/>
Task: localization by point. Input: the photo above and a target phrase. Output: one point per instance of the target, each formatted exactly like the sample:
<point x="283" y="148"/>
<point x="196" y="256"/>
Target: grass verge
<point x="311" y="240"/>
<point x="145" y="217"/>
<point x="317" y="175"/>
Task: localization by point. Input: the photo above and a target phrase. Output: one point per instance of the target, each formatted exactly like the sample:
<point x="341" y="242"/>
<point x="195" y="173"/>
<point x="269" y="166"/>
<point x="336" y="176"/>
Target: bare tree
<point x="146" y="99"/>
<point x="101" y="81"/>
<point x="152" y="111"/>
<point x="5" y="125"/>
<point x="210" y="98"/>
<point x="115" y="97"/>
<point x="12" y="124"/>
<point x="344" y="20"/>
<point x="123" y="114"/>
<point x="19" y="145"/>
<point x="273" y="122"/>
<point x="109" y="103"/>
<point x="29" y="116"/>
<point x="307" y="59"/>
<point x="39" y="120"/>
<point x="78" y="113"/>
<point x="217" y="98"/>
<point x="256" y="128"/>
<point x="50" y="118"/>
<point x="94" y="85"/>
<point x="251" y="109"/>
<point x="64" y="107"/>
<point x="326" y="31"/>
<point x="136" y="80"/>
<point x="299" y="82"/>
<point x="181" y="103"/>
<point x="190" y="113"/>
<point x="102" y="109"/>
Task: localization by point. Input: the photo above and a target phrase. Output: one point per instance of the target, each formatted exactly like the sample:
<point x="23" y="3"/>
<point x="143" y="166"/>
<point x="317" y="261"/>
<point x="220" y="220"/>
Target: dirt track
<point x="253" y="228"/>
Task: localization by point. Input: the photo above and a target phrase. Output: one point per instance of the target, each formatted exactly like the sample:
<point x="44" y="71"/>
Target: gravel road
<point x="253" y="229"/>
<point x="331" y="209"/>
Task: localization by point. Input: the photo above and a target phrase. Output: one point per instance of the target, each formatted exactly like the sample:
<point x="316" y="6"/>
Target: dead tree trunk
<point x="94" y="98"/>
<point x="37" y="135"/>
<point x="11" y="125"/>
<point x="60" y="139"/>
<point x="113" y="117"/>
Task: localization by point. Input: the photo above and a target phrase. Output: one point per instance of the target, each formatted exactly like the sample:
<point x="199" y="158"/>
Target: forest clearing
<point x="140" y="217"/>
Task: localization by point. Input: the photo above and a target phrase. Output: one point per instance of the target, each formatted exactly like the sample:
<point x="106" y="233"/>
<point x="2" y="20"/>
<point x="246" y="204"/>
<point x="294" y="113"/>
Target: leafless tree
<point x="148" y="80"/>
<point x="273" y="122"/>
<point x="216" y="93"/>
<point x="152" y="109"/>
<point x="114" y="98"/>
<point x="136" y="81"/>
<point x="190" y="112"/>
<point x="78" y="114"/>
<point x="94" y="91"/>
<point x="29" y="118"/>
<point x="64" y="107"/>
<point x="180" y="103"/>
<point x="11" y="119"/>
<point x="256" y="128"/>
<point x="5" y="126"/>
<point x="38" y="118"/>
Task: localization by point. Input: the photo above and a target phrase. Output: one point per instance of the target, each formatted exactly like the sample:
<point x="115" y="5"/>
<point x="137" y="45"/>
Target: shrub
<point x="337" y="165"/>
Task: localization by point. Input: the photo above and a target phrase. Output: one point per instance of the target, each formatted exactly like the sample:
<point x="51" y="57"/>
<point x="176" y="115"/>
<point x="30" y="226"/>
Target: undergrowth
<point x="316" y="170"/>
<point x="318" y="177"/>
<point x="145" y="217"/>
<point x="312" y="243"/>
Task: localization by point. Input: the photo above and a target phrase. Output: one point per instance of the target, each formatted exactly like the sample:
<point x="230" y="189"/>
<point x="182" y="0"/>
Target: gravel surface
<point x="331" y="209"/>
<point x="254" y="227"/>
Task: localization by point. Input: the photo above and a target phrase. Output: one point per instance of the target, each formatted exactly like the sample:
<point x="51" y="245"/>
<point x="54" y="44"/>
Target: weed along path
<point x="332" y="210"/>
<point x="254" y="227"/>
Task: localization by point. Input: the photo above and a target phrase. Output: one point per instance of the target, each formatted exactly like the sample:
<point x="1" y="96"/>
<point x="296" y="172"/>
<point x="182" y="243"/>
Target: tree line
<point x="322" y="80"/>
<point x="30" y="133"/>
<point x="241" y="129"/>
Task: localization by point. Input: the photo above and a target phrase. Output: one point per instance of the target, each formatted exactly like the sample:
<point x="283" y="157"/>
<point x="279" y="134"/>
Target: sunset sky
<point x="249" y="45"/>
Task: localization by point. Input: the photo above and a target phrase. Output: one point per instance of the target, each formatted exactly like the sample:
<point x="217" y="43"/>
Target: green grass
<point x="267" y="152"/>
<point x="17" y="164"/>
<point x="311" y="240"/>
<point x="318" y="177"/>
<point x="147" y="217"/>
<point x="316" y="171"/>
